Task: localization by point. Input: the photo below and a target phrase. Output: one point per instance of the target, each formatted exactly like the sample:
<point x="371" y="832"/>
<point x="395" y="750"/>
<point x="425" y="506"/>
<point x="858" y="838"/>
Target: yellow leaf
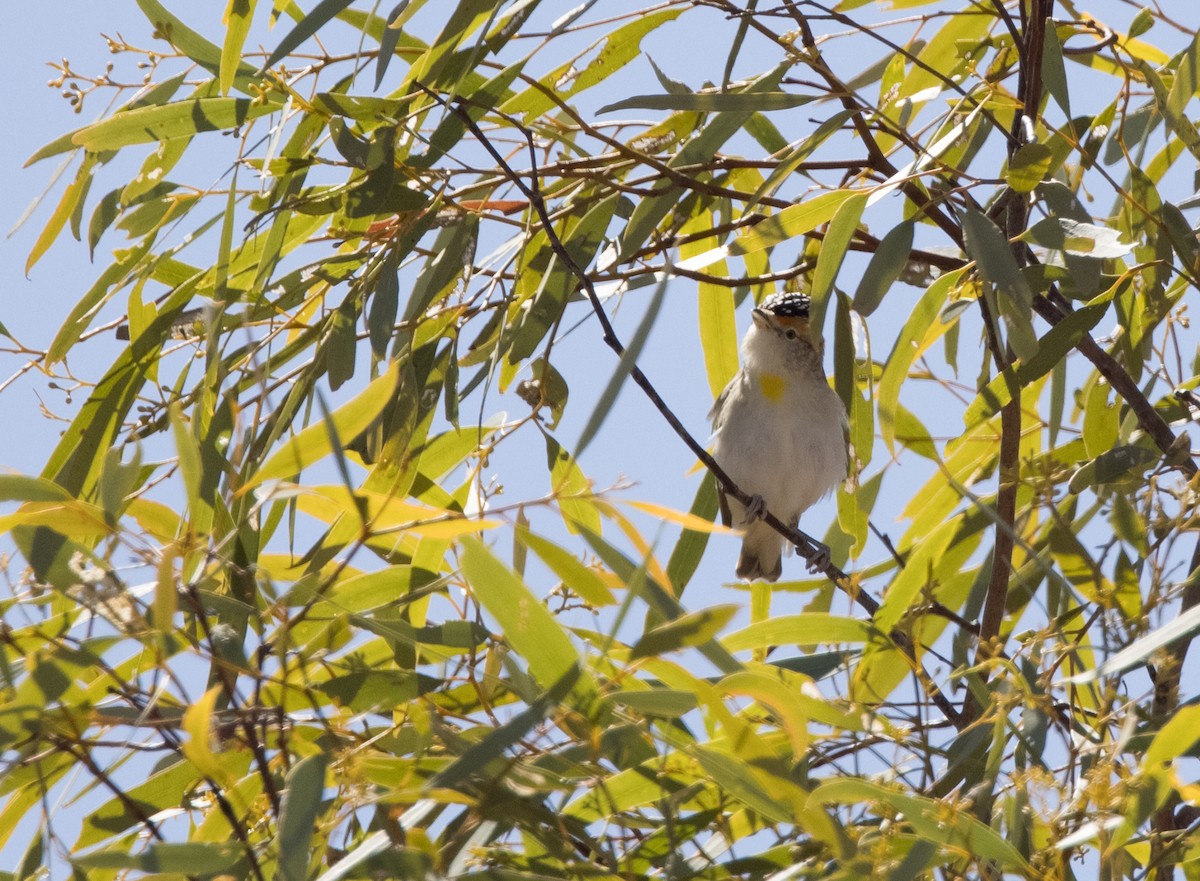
<point x="386" y="513"/>
<point x="197" y="723"/>
<point x="776" y="696"/>
<point x="315" y="442"/>
<point x="653" y="568"/>
<point x="682" y="518"/>
<point x="73" y="518"/>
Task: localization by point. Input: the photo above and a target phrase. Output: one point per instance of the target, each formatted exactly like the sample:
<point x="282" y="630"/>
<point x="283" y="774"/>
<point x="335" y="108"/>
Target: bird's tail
<point x="762" y="553"/>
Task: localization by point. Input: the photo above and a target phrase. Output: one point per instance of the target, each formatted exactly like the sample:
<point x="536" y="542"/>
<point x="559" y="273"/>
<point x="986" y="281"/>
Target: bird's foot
<point x="820" y="559"/>
<point x="756" y="509"/>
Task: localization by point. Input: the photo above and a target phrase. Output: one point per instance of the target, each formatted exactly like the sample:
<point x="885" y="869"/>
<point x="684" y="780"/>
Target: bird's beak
<point x="761" y="318"/>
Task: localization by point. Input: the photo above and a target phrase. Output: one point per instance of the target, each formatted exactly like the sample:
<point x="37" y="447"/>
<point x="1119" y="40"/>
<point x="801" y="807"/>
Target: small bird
<point x="779" y="431"/>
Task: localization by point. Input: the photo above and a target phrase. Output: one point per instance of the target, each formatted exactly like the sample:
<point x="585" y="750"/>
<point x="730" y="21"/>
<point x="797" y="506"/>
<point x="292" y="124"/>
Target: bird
<point x="779" y="431"/>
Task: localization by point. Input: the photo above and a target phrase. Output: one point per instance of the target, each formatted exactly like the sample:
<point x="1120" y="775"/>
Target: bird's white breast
<point x="790" y="451"/>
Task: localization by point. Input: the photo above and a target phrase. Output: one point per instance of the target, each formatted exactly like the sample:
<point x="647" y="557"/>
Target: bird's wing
<point x="717" y="413"/>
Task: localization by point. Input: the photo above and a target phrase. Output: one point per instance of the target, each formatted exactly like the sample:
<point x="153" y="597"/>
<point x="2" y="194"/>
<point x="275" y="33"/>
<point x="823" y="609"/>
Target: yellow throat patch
<point x="773" y="386"/>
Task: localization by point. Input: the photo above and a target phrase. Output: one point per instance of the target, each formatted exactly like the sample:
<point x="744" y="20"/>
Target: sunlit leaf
<point x="681" y="518"/>
<point x="717" y="102"/>
<point x="527" y="625"/>
<point x="583" y="580"/>
<point x="693" y="628"/>
<point x="314" y="443"/>
<point x="1028" y="167"/>
<point x="163" y="122"/>
<point x="805" y="630"/>
<point x="238" y="16"/>
<point x="190" y="858"/>
<point x="838" y="236"/>
<point x="930" y="818"/>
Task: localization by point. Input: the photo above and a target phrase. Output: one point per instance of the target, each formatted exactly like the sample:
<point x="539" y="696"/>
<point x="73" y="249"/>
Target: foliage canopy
<point x="277" y="621"/>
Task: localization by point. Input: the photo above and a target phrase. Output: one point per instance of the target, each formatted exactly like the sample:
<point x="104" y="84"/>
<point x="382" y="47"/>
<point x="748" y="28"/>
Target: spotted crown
<point x="786" y="305"/>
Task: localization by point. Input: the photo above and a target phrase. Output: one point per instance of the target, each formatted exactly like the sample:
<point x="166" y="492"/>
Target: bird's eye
<point x="790" y="334"/>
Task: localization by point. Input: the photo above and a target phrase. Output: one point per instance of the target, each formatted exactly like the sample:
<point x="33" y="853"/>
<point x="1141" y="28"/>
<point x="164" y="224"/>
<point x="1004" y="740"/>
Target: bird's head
<point x="780" y="340"/>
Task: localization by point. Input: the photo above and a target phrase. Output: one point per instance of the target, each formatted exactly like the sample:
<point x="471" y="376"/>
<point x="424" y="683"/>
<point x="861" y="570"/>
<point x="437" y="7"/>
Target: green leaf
<point x="526" y="624"/>
<point x="190" y="464"/>
<point x="791" y="222"/>
<point x="917" y="335"/>
<point x="238" y="16"/>
<point x="321" y="15"/>
<point x="929" y="818"/>
<point x="718" y="334"/>
<point x="914" y="435"/>
<point x="735" y="777"/>
<point x="157" y="94"/>
<point x="442" y="66"/>
<point x="620" y="47"/>
<point x="711" y="102"/>
<point x="1142" y="22"/>
<point x="1101" y="419"/>
<point x="690" y="629"/>
<point x="161" y="790"/>
<point x="375" y="691"/>
<point x="942" y="58"/>
<point x="385" y="305"/>
<point x="571" y="488"/>
<point x="1174" y="739"/>
<point x="1028" y="167"/>
<point x="556" y="281"/>
<point x="1179" y="627"/>
<point x="1075" y="237"/>
<point x="190" y="43"/>
<point x="162" y="858"/>
<point x="689" y="549"/>
<point x="1054" y="73"/>
<point x="885" y="267"/>
<point x="990" y="250"/>
<point x="341" y="346"/>
<point x="833" y="248"/>
<point x="449" y="449"/>
<point x="314" y="442"/>
<point x="389" y="40"/>
<point x="1183" y="239"/>
<point x="1113" y="467"/>
<point x="298" y="813"/>
<point x="1187" y="79"/>
<point x="663" y="703"/>
<point x="179" y="119"/>
<point x="578" y="578"/>
<point x="453" y="251"/>
<point x="19" y="488"/>
<point x="70" y="200"/>
<point x="812" y="628"/>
